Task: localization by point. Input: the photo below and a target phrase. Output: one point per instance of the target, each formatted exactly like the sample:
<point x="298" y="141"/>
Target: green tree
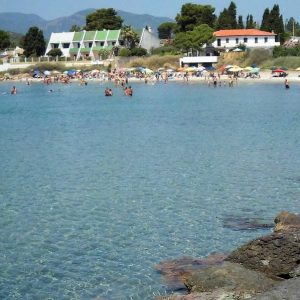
<point x="34" y="43"/>
<point x="232" y="15"/>
<point x="55" y="52"/>
<point x="138" y="51"/>
<point x="4" y="40"/>
<point x="104" y="53"/>
<point x="194" y="39"/>
<point x="192" y="15"/>
<point x="250" y="24"/>
<point x="240" y="24"/>
<point x="265" y="24"/>
<point x="273" y="21"/>
<point x="223" y="21"/>
<point x="227" y="18"/>
<point x="292" y="25"/>
<point x="166" y="30"/>
<point x="105" y="18"/>
<point x="75" y="28"/>
<point x="130" y="37"/>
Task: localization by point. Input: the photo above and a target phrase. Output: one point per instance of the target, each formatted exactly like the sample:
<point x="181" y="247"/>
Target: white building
<point x="251" y="38"/>
<point x="148" y="40"/>
<point x="84" y="44"/>
<point x="87" y="44"/>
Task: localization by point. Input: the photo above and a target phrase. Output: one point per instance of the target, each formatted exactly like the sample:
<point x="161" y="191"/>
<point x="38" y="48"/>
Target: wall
<point x="149" y="40"/>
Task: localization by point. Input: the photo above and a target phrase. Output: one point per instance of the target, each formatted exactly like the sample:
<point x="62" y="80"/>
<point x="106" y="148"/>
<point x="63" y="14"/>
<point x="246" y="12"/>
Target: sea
<point x="95" y="191"/>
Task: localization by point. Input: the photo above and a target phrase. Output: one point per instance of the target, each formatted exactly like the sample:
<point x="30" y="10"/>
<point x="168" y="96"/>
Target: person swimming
<point x="108" y="92"/>
<point x="128" y="91"/>
<point x="13" y="91"/>
<point x="286" y="84"/>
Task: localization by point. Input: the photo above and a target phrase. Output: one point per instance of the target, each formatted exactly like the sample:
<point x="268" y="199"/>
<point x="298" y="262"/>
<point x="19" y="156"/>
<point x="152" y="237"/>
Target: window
<point x="113" y="43"/>
<point x="237" y="40"/>
<point x="227" y="41"/>
<point x="78" y="45"/>
<point x="55" y="46"/>
<point x="245" y="40"/>
<point x="266" y="39"/>
<point x="101" y="44"/>
<point x="219" y="42"/>
<point x="90" y="44"/>
<point x="256" y="40"/>
<point x="66" y="45"/>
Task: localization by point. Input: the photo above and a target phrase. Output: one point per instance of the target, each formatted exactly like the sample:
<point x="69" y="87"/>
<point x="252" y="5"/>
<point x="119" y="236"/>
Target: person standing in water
<point x="286" y="84"/>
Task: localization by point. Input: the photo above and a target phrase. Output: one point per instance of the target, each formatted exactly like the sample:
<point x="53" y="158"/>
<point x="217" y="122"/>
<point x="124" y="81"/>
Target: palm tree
<point x="129" y="36"/>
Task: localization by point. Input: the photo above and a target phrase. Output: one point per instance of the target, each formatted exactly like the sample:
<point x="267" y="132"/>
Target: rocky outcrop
<point x="257" y="270"/>
<point x="176" y="271"/>
<point x="277" y="254"/>
<point x="230" y="277"/>
<point x="286" y="221"/>
<point x="287" y="290"/>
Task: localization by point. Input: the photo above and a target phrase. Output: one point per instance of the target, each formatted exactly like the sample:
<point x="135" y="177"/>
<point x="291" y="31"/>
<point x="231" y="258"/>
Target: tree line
<point x="192" y="16"/>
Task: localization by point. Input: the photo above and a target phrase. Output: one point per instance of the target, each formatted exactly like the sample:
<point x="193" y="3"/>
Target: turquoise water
<point x="95" y="191"/>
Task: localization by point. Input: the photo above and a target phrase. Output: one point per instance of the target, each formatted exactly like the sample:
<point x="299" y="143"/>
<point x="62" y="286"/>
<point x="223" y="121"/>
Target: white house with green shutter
<point x="87" y="44"/>
<point x="84" y="44"/>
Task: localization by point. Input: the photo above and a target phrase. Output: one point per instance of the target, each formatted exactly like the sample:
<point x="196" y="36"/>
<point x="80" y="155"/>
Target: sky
<point x="50" y="9"/>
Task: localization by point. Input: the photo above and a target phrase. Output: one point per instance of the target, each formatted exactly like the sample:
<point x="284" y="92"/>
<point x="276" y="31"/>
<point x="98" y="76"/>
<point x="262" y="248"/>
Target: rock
<point x="286" y="221"/>
<point x="276" y="254"/>
<point x="287" y="290"/>
<point x="176" y="271"/>
<point x="218" y="294"/>
<point x="241" y="223"/>
<point x="295" y="272"/>
<point x="230" y="277"/>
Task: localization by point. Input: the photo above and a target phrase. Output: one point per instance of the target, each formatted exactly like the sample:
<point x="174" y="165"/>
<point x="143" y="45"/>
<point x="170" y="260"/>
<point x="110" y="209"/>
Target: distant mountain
<point x="18" y="22"/>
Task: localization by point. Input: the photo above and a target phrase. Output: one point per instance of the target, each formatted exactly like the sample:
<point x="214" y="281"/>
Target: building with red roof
<point x="251" y="38"/>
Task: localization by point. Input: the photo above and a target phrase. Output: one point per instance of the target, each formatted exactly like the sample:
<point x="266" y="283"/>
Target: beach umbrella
<point x="201" y="68"/>
<point x="170" y="70"/>
<point x="273" y="68"/>
<point x="237" y="50"/>
<point x="284" y="68"/>
<point x="249" y="69"/>
<point x="254" y="66"/>
<point x="147" y="71"/>
<point x="279" y="71"/>
<point x="255" y="70"/>
<point x="190" y="69"/>
<point x="235" y="69"/>
<point x="47" y="73"/>
<point x="228" y="66"/>
<point x="298" y="69"/>
<point x="71" y="72"/>
<point x="210" y="68"/>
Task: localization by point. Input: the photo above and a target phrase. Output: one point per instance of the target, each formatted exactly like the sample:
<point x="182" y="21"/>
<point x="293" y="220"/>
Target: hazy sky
<point x="50" y="9"/>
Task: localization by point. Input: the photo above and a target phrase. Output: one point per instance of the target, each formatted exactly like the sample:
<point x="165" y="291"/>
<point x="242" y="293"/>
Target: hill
<point x="8" y="21"/>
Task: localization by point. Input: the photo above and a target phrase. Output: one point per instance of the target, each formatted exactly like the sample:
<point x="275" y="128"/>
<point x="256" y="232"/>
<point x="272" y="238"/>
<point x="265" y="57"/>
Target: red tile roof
<point x="242" y="32"/>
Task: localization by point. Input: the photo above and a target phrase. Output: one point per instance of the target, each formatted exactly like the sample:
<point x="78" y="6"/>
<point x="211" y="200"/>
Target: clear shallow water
<point x="95" y="191"/>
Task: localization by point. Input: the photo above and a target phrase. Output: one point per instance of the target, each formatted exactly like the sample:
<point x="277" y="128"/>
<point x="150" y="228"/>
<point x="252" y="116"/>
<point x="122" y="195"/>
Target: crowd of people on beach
<point x="121" y="79"/>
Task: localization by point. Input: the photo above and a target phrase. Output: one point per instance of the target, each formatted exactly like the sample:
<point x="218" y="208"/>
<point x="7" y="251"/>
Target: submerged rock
<point x="176" y="271"/>
<point x="276" y="254"/>
<point x="230" y="277"/>
<point x="241" y="223"/>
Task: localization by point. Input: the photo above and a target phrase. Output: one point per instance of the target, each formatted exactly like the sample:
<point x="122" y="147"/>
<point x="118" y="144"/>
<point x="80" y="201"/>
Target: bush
<point x="165" y="50"/>
<point x="124" y="52"/>
<point x="283" y="51"/>
<point x="257" y="56"/>
<point x="55" y="52"/>
<point x="138" y="52"/>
